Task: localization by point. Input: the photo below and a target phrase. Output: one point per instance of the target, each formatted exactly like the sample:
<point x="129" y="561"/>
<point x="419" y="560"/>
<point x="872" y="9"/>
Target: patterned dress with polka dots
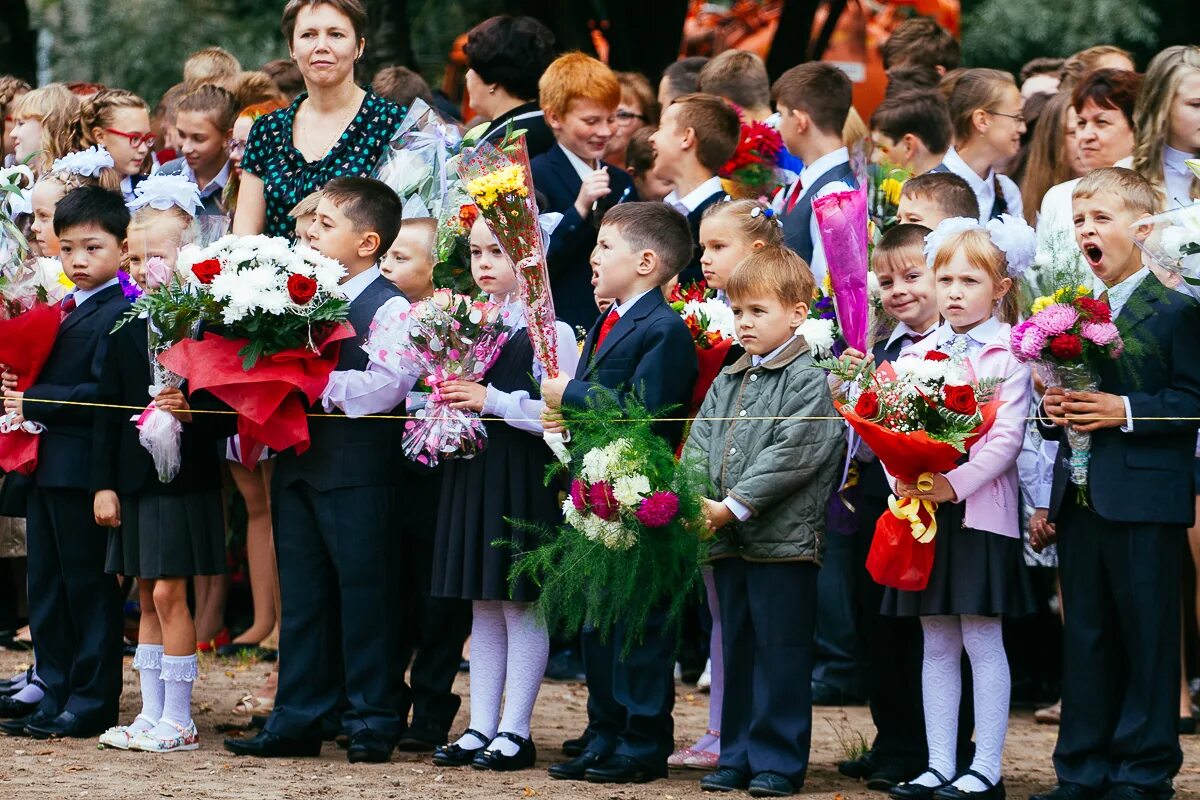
<point x="288" y="178"/>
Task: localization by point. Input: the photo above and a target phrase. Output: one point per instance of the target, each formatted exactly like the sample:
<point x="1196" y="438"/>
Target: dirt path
<point x="31" y="770"/>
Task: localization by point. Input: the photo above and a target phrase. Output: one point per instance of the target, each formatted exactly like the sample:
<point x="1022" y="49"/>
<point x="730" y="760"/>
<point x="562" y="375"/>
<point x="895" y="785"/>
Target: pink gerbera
<point x="1056" y="319"/>
<point x="658" y="509"/>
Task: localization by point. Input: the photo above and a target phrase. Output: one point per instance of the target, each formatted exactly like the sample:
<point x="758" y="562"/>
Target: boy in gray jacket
<point x="767" y="431"/>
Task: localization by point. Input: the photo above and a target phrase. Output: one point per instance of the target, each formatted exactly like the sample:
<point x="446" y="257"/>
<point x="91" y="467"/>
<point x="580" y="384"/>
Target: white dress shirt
<point x="83" y="295"/>
<point x="985" y="188"/>
<point x="1177" y="177"/>
<point x="691" y="201"/>
<point x="582" y="168"/>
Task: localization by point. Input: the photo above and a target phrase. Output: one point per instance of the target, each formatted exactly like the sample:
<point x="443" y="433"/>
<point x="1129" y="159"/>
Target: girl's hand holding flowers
<point x="466" y="395"/>
<point x="173" y="400"/>
<point x="942" y="491"/>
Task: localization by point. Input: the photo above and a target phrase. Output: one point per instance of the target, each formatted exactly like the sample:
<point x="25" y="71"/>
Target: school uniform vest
<point x="796" y="231"/>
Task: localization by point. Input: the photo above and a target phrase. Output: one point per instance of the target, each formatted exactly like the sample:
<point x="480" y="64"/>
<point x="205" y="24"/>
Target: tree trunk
<point x="790" y="46"/>
<point x="388" y="43"/>
<point x="18" y="45"/>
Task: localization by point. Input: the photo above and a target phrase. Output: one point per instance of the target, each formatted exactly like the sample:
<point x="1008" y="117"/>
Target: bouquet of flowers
<point x="1174" y="243"/>
<point x="281" y="310"/>
<point x="629" y="542"/>
<point x="1068" y="335"/>
<point x="919" y="416"/>
<point x="710" y="321"/>
<point x="446" y="337"/>
<point x="696" y="290"/>
<point x="842" y="223"/>
<point x="884" y="182"/>
<point x="753" y="171"/>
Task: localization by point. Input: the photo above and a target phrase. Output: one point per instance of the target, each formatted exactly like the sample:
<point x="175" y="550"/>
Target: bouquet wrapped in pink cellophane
<point x="842" y="222"/>
<point x="446" y="337"/>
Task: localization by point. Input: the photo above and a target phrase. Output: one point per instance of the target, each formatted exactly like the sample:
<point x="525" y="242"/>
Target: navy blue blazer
<point x="570" y="250"/>
<point x="1146" y="475"/>
<point x="72" y="373"/>
<point x="649" y="353"/>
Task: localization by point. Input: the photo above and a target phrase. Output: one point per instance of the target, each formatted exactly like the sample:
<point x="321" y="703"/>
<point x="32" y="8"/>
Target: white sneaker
<point x="121" y="736"/>
<point x="184" y="738"/>
<point x="704" y="682"/>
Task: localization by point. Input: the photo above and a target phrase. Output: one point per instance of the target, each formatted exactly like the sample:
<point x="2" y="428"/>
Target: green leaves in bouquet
<point x="174" y="310"/>
<point x="453" y="267"/>
<point x="274" y="333"/>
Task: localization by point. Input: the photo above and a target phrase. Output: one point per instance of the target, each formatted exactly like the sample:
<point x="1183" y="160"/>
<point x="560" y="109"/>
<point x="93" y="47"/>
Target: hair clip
<point x="769" y="213"/>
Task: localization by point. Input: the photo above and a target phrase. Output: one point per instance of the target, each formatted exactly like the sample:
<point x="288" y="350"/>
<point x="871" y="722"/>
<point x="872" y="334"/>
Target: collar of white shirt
<point x="127" y="188"/>
<point x="581" y="167"/>
<point x="982" y="334"/>
<point x="954" y="162"/>
<point x="902" y="329"/>
<point x="1119" y="295"/>
<point x="215" y="185"/>
<point x="758" y="361"/>
<point x="1173" y="160"/>
<point x="83" y="295"/>
<point x="692" y="200"/>
<point x="355" y="286"/>
<point x="623" y="309"/>
<point x="822" y="165"/>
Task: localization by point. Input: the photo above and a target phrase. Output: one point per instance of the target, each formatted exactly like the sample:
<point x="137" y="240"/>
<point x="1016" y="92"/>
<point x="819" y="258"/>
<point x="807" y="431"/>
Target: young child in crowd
<point x="75" y="607"/>
<point x="119" y="121"/>
<point x="911" y="130"/>
<point x="978" y="575"/>
<point x="204" y="124"/>
<point x="305" y="214"/>
<point x="408" y="262"/>
<point x="697" y="135"/>
<point x="773" y="480"/>
<point x="640" y="346"/>
<point x="212" y="65"/>
<point x="45" y="126"/>
<point x="509" y="645"/>
<point x="931" y="197"/>
<point x="91" y="167"/>
<point x="162" y="532"/>
<point x="1119" y="553"/>
<point x="639" y="163"/>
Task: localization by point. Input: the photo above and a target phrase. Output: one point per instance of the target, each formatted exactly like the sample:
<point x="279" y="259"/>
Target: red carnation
<point x="936" y="355"/>
<point x="1097" y="310"/>
<point x="961" y="400"/>
<point x="867" y="406"/>
<point x="1066" y="346"/>
<point x="301" y="289"/>
<point x="206" y="270"/>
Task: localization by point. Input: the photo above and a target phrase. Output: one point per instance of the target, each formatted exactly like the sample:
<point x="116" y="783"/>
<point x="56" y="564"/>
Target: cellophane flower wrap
<point x="753" y="172"/>
<point x="842" y="223"/>
<point x="1067" y="335"/>
<point x="920" y="417"/>
<point x="280" y="312"/>
<point x="500" y="182"/>
<point x="445" y="337"/>
<point x="629" y="543"/>
<point x="1174" y="244"/>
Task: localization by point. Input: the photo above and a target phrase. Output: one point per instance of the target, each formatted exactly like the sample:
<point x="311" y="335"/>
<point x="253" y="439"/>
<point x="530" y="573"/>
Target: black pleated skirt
<point x="168" y="536"/>
<point x="974" y="572"/>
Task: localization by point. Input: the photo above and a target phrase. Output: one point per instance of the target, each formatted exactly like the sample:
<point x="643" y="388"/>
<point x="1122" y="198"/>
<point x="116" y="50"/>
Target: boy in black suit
<point x="75" y="607"/>
<point x="334" y="505"/>
<point x="579" y="96"/>
<point x="640" y="347"/>
<point x="697" y="135"/>
<point x="1119" y="553"/>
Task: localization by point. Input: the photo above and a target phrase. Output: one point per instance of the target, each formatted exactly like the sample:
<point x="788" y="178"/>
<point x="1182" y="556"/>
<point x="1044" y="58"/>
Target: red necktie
<point x="609" y="323"/>
<point x="67" y="305"/>
<point x="799" y="190"/>
<point x="914" y="338"/>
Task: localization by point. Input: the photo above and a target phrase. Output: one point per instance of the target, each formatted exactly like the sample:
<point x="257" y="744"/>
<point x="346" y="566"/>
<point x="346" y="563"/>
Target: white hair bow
<point x="87" y="163"/>
<point x="163" y="191"/>
<point x="1012" y="235"/>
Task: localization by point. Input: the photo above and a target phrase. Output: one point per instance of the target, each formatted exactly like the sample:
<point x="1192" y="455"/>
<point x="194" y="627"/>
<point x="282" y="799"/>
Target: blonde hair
<point x="214" y="65"/>
<point x="753" y="227"/>
<point x="1152" y="114"/>
<point x="977" y="247"/>
<point x="774" y="271"/>
<point x="107" y="179"/>
<point x="307" y="206"/>
<point x="10" y="89"/>
<point x="1137" y="193"/>
<point x="97" y="111"/>
<point x="146" y="216"/>
<point x="855" y="130"/>
<point x="635" y="89"/>
<point x="976" y="89"/>
<point x="217" y="103"/>
<point x="57" y="108"/>
<point x="1086" y="61"/>
<point x="255" y="87"/>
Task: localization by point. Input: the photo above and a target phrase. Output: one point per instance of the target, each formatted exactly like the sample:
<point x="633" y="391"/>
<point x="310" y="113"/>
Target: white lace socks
<point x="147" y="660"/>
<point x="179" y="673"/>
<point x="489" y="663"/>
<point x="941" y="687"/>
<point x="528" y="650"/>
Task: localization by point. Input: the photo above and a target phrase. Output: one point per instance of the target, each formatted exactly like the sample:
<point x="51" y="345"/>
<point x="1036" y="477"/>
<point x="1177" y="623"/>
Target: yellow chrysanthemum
<point x="890" y="187"/>
<point x="65" y="282"/>
<point x="487" y="189"/>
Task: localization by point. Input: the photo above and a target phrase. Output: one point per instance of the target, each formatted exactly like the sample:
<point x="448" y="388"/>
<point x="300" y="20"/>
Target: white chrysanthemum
<point x="1174" y="238"/>
<point x="630" y="489"/>
<point x="595" y="465"/>
<point x="612" y="535"/>
<point x="873" y="284"/>
<point x="274" y="301"/>
<point x="919" y="370"/>
<point x="819" y="335"/>
<point x="719" y="315"/>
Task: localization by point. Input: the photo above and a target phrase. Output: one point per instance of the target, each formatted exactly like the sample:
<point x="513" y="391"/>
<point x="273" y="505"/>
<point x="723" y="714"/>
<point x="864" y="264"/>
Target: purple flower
<point x="128" y="287"/>
<point x="1032" y="343"/>
<point x="658" y="509"/>
<point x="579" y="495"/>
<point x="602" y="501"/>
<point x="1101" y="333"/>
<point x="1016" y="335"/>
<point x="1056" y="319"/>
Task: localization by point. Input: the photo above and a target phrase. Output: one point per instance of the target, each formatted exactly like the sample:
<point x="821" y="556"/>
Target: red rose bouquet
<point x="710" y="321"/>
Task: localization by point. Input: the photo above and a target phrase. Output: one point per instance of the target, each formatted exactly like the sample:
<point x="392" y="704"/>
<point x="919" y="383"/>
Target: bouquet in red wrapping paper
<point x="920" y="417"/>
<point x="710" y="322"/>
<point x="446" y="337"/>
<point x="280" y="311"/>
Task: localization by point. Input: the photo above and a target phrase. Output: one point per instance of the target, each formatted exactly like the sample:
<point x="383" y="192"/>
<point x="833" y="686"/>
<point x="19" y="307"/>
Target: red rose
<point x="206" y="270"/>
<point x="301" y="289"/>
<point x="961" y="400"/>
<point x="1066" y="347"/>
<point x="867" y="406"/>
<point x="936" y="355"/>
<point x="1098" y="310"/>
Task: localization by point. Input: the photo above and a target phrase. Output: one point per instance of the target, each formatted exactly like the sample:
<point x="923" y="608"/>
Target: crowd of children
<point x="347" y="533"/>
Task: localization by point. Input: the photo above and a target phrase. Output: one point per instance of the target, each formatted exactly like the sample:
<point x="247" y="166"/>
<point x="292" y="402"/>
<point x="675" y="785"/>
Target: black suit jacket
<point x="72" y="373"/>
<point x="346" y="453"/>
<point x="529" y="118"/>
<point x="570" y="249"/>
<point x="649" y="353"/>
<point x="119" y="462"/>
<point x="692" y="272"/>
<point x="1146" y="475"/>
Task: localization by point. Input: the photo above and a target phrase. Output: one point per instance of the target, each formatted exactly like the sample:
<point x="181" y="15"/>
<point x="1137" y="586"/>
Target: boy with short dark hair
<point x="335" y="503"/>
<point x="774" y="472"/>
<point x="922" y="42"/>
<point x="642" y="347"/>
<point x="697" y="135"/>
<point x="75" y="607"/>
<point x="1119" y="552"/>
<point x="680" y="77"/>
<point x="929" y="198"/>
<point x="912" y="130"/>
<point x="740" y="77"/>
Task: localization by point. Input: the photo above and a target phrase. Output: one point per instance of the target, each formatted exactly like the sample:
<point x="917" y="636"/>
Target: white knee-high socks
<point x="509" y="648"/>
<point x="941" y="684"/>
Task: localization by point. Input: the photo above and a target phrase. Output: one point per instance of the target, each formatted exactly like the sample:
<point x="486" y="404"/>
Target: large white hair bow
<point x="87" y="163"/>
<point x="163" y="191"/>
<point x="1012" y="235"/>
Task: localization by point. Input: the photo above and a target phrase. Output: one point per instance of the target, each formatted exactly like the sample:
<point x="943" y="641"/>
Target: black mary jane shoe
<point x="12" y="708"/>
<point x="454" y="755"/>
<point x="994" y="791"/>
<point x="496" y="761"/>
<point x="914" y="791"/>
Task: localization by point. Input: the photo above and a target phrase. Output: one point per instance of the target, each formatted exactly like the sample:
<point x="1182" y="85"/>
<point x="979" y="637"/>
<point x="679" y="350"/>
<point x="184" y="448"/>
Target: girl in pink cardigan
<point x="978" y="573"/>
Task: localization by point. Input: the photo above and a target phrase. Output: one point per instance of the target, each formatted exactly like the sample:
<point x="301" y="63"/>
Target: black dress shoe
<point x="888" y="774"/>
<point x="421" y="737"/>
<point x="858" y="768"/>
<point x="452" y="755"/>
<point x="914" y="791"/>
<point x="623" y="769"/>
<point x="575" y="769"/>
<point x="12" y="709"/>
<point x="725" y="779"/>
<point x="1067" y="791"/>
<point x="494" y="760"/>
<point x="268" y="745"/>
<point x="16" y="727"/>
<point x="994" y="791"/>
<point x="1124" y="791"/>
<point x="11" y="686"/>
<point x="771" y="784"/>
<point x="1187" y="726"/>
<point x="575" y="747"/>
<point x="369" y="747"/>
<point x="66" y="726"/>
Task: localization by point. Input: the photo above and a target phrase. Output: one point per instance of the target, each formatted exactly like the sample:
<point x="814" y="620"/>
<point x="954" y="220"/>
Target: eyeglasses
<point x="135" y="139"/>
<point x="627" y="116"/>
<point x="1019" y="118"/>
<point x="236" y="147"/>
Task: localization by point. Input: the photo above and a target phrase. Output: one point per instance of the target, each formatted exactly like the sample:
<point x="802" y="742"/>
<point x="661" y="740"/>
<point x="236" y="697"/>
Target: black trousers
<point x="837" y="661"/>
<point x="1121" y="607"/>
<point x="768" y="613"/>
<point x="631" y="696"/>
<point x="339" y="557"/>
<point x="75" y="607"/>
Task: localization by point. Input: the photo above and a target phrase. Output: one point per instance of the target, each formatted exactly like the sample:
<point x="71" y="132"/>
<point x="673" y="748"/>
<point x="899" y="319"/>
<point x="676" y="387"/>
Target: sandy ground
<point x="78" y="769"/>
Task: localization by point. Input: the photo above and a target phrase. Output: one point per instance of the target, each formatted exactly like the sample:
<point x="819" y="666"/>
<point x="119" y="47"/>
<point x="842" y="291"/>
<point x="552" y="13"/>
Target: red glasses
<point x="135" y="139"/>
